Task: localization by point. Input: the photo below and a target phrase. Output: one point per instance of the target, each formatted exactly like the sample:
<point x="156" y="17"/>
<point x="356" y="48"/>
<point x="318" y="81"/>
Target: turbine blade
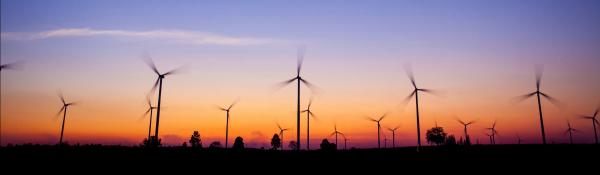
<point x="148" y="101"/>
<point x="146" y="57"/>
<point x="300" y="57"/>
<point x="371" y="119"/>
<point x="409" y="97"/>
<point x="382" y="117"/>
<point x="145" y="114"/>
<point x="523" y="97"/>
<point x="221" y="108"/>
<point x="279" y="126"/>
<point x="310" y="86"/>
<point x="13" y="66"/>
<point x="586" y="117"/>
<point x="433" y="92"/>
<point x="62" y="98"/>
<point x="553" y="100"/>
<point x="153" y="88"/>
<point x="175" y="71"/>
<point x="409" y="73"/>
<point x="233" y="104"/>
<point x="312" y="114"/>
<point x="284" y="83"/>
<point x="60" y="111"/>
<point x="539" y="70"/>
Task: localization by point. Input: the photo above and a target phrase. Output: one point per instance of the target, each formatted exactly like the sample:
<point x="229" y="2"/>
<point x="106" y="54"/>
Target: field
<point x="127" y="157"/>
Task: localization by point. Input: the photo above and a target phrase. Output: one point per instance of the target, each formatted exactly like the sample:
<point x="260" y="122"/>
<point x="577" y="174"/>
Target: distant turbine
<point x="465" y="124"/>
<point x="345" y="141"/>
<point x="309" y="114"/>
<point x="493" y="132"/>
<point x="378" y="129"/>
<point x="149" y="111"/>
<point x="491" y="139"/>
<point x="519" y="140"/>
<point x="385" y="141"/>
<point x="281" y="130"/>
<point x="301" y="51"/>
<point x="538" y="93"/>
<point x="63" y="110"/>
<point x="335" y="132"/>
<point x="394" y="135"/>
<point x="594" y="122"/>
<point x="158" y="83"/>
<point x="227" y="122"/>
<point x="570" y="131"/>
<point x="415" y="93"/>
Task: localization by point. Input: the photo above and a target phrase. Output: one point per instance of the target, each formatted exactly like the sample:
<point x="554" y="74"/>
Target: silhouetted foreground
<point x="519" y="155"/>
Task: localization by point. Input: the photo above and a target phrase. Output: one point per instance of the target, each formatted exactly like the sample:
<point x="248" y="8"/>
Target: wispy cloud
<point x="183" y="36"/>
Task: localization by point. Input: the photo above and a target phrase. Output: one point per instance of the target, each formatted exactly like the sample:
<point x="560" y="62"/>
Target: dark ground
<point x="524" y="156"/>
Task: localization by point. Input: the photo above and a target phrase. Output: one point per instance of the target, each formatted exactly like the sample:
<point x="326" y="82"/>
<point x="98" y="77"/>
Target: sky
<point x="479" y="54"/>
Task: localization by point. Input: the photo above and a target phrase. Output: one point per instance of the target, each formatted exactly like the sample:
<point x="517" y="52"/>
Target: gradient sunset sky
<point x="480" y="54"/>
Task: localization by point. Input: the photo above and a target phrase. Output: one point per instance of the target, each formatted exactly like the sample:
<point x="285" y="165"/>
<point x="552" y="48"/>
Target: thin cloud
<point x="182" y="36"/>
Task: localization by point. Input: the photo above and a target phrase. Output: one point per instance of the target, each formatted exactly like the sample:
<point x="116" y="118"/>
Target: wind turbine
<point x="490" y="136"/>
<point x="149" y="111"/>
<point x="63" y="110"/>
<point x="335" y="132"/>
<point x="570" y="131"/>
<point x="415" y="93"/>
<point x="301" y="51"/>
<point x="394" y="135"/>
<point x="594" y="122"/>
<point x="158" y="83"/>
<point x="385" y="141"/>
<point x="227" y="122"/>
<point x="465" y="124"/>
<point x="539" y="94"/>
<point x="309" y="114"/>
<point x="281" y="130"/>
<point x="378" y="129"/>
<point x="345" y="141"/>
<point x="493" y="131"/>
<point x="519" y="140"/>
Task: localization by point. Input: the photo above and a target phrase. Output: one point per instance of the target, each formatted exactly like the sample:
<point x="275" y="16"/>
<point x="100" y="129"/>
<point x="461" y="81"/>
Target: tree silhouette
<point x="238" y="144"/>
<point x="436" y="135"/>
<point x="327" y="146"/>
<point x="292" y="145"/>
<point x="276" y="142"/>
<point x="450" y="140"/>
<point x="195" y="140"/>
<point x="215" y="145"/>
